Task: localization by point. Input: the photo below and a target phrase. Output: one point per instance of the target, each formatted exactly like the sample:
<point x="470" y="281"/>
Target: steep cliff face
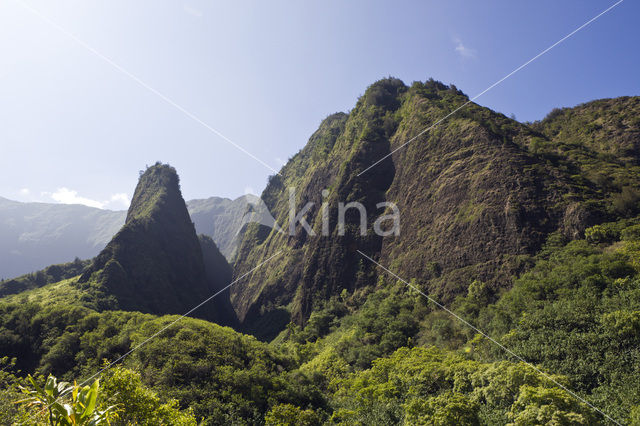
<point x="474" y="200"/>
<point x="155" y="263"/>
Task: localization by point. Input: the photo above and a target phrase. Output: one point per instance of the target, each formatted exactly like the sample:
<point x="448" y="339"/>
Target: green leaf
<point x="92" y="398"/>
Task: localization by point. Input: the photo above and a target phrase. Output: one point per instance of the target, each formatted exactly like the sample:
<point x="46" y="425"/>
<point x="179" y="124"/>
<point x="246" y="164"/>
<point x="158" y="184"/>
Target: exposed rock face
<point x="155" y="263"/>
<point x="475" y="200"/>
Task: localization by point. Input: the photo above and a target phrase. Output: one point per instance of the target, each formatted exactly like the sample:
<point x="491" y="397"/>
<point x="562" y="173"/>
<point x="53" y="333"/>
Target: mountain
<point x="222" y="219"/>
<point x="527" y="233"/>
<point x="219" y="274"/>
<point x="156" y="263"/>
<point x="609" y="127"/>
<point x="35" y="235"/>
<point x="478" y="195"/>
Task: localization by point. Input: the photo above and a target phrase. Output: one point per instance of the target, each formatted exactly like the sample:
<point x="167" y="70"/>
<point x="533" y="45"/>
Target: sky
<point x="93" y="91"/>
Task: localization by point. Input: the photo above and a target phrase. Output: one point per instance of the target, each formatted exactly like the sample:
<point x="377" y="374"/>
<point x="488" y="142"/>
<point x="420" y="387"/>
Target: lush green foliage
<point x="220" y="374"/>
<point x="63" y="404"/>
<point x="577" y="313"/>
<point x="430" y="386"/>
<point x="351" y="345"/>
<point x="139" y="405"/>
<point x="10" y="393"/>
<point x="48" y="275"/>
<point x="121" y="400"/>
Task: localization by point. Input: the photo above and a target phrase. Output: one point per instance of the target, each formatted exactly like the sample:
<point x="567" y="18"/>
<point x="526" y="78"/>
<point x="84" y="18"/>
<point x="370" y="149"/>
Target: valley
<point x="528" y="234"/>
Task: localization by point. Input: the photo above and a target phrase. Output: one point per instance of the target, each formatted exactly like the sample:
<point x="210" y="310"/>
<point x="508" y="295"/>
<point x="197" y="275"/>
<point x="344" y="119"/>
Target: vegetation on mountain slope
<point x="155" y="262"/>
<point x="50" y="274"/>
<point x="599" y="143"/>
<point x="574" y="315"/>
<point x="220" y="374"/>
<point x="503" y="222"/>
<point x="389" y="356"/>
<point x="477" y="202"/>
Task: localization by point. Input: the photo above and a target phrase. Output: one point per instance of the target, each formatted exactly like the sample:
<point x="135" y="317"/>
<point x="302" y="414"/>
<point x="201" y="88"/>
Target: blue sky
<point x="75" y="129"/>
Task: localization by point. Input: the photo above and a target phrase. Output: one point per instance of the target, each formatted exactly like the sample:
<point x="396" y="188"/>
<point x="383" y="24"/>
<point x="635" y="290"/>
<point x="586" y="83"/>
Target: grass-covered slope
<point x="610" y="127"/>
<point x="48" y="275"/>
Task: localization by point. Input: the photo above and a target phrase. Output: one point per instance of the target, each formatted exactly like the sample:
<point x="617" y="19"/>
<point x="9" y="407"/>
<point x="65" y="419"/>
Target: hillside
<point x="475" y="202"/>
<point x="609" y="127"/>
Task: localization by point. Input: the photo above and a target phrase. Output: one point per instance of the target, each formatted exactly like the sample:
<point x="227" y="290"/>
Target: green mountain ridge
<point x="476" y="202"/>
<point x="528" y="231"/>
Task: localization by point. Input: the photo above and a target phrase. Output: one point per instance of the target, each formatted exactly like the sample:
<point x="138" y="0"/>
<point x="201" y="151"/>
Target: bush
<point x="290" y="415"/>
<point x="600" y="234"/>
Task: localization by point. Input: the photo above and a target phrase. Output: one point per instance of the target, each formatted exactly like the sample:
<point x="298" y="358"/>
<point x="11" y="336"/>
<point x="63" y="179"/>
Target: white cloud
<point x="464" y="51"/>
<point x="122" y="199"/>
<point x="280" y="161"/>
<point x="25" y="192"/>
<point x="249" y="190"/>
<point x="69" y="196"/>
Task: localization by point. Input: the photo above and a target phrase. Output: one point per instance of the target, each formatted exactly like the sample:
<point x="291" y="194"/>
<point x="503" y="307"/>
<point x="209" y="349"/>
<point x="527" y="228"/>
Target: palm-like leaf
<point x="80" y="410"/>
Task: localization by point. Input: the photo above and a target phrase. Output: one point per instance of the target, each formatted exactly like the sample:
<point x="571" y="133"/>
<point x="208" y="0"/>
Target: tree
<point x="9" y="393"/>
<point x="289" y="415"/>
<point x="538" y="405"/>
<point x="141" y="405"/>
<point x="446" y="409"/>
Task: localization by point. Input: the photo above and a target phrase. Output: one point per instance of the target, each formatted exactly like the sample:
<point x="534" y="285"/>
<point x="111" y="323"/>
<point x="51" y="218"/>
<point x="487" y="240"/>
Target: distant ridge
<point x="36" y="235"/>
